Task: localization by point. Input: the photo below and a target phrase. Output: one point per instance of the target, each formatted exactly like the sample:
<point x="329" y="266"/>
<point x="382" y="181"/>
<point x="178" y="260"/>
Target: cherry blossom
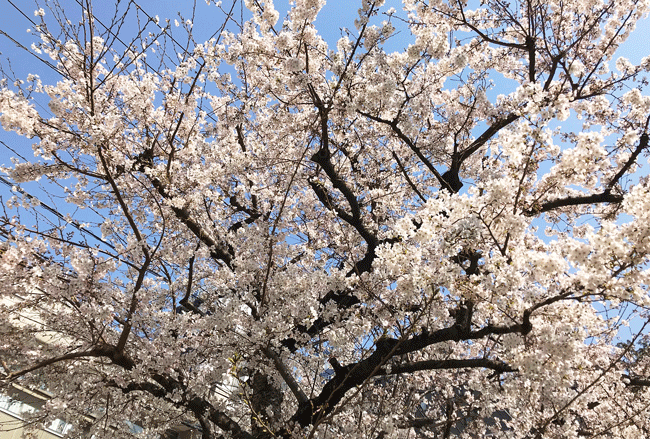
<point x="268" y="234"/>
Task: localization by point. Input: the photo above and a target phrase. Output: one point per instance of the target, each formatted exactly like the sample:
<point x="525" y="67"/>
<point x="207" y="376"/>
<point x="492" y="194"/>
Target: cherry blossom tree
<point x="264" y="235"/>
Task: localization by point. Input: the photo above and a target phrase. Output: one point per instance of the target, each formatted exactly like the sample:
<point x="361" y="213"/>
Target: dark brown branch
<point x="323" y="158"/>
<point x="643" y="144"/>
<point x="185" y="301"/>
<point x="404" y="138"/>
<point x="253" y="214"/>
<point x="126" y="330"/>
<point x="222" y="420"/>
<point x="286" y="375"/>
<point x="218" y="250"/>
<point x="344" y="299"/>
<point x="449" y="411"/>
<point x="636" y="381"/>
<point x="484" y="363"/>
<point x="355" y="374"/>
<point x="530" y="48"/>
<point x="604" y="197"/>
<point x="555" y="60"/>
<point x="348" y="377"/>
<point x="485" y="136"/>
<point x="147" y="387"/>
<point x="95" y="352"/>
<point x="408" y="179"/>
<point x="206" y="428"/>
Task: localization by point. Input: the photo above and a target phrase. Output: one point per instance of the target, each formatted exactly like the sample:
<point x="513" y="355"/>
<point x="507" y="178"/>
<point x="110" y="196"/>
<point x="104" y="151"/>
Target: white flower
<point x="623" y="65"/>
<point x="295" y="64"/>
<point x="576" y="68"/>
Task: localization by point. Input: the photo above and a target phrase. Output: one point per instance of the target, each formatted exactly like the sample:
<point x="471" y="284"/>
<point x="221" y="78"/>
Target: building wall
<point x="11" y="427"/>
<point x="18" y="400"/>
<point x="21" y="401"/>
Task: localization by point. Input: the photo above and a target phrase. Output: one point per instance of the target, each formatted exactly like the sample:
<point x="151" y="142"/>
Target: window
<point x="14" y="406"/>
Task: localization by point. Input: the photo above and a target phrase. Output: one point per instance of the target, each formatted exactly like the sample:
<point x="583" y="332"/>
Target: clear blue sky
<point x="337" y="14"/>
<point x="16" y="15"/>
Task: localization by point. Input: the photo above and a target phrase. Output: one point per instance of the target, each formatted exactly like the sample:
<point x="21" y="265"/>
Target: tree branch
<point x="604" y="197"/>
<point x="286" y="375"/>
<point x="485" y="136"/>
<point x="219" y="250"/>
<point x="643" y="144"/>
<point x="408" y="179"/>
<point x="485" y="363"/>
<point x="96" y="352"/>
<point x="412" y="146"/>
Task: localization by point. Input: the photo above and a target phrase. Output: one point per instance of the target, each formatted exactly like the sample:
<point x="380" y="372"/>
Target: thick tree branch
<point x="147" y="387"/>
<point x="95" y="352"/>
<point x="185" y="301"/>
<point x="636" y="381"/>
<point x="219" y="250"/>
<point x="485" y="136"/>
<point x="484" y="363"/>
<point x="286" y="375"/>
<point x="202" y="408"/>
<point x="323" y="158"/>
<point x="357" y="373"/>
<point x="643" y="144"/>
<point x="604" y="197"/>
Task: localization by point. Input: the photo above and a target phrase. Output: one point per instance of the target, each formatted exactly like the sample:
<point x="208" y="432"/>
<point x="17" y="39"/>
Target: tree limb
<point x="286" y="375"/>
<point x="486" y="363"/>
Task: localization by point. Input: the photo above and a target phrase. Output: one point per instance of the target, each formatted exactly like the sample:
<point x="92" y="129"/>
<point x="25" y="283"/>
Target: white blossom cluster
<point x="268" y="235"/>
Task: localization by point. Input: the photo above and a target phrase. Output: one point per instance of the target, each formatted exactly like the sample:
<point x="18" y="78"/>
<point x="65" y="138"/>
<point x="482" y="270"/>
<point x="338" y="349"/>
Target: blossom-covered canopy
<point x="438" y="226"/>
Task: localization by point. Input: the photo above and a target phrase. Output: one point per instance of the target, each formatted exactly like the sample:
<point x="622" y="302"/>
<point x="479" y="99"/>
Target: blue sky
<point x="18" y="16"/>
<point x="334" y="16"/>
